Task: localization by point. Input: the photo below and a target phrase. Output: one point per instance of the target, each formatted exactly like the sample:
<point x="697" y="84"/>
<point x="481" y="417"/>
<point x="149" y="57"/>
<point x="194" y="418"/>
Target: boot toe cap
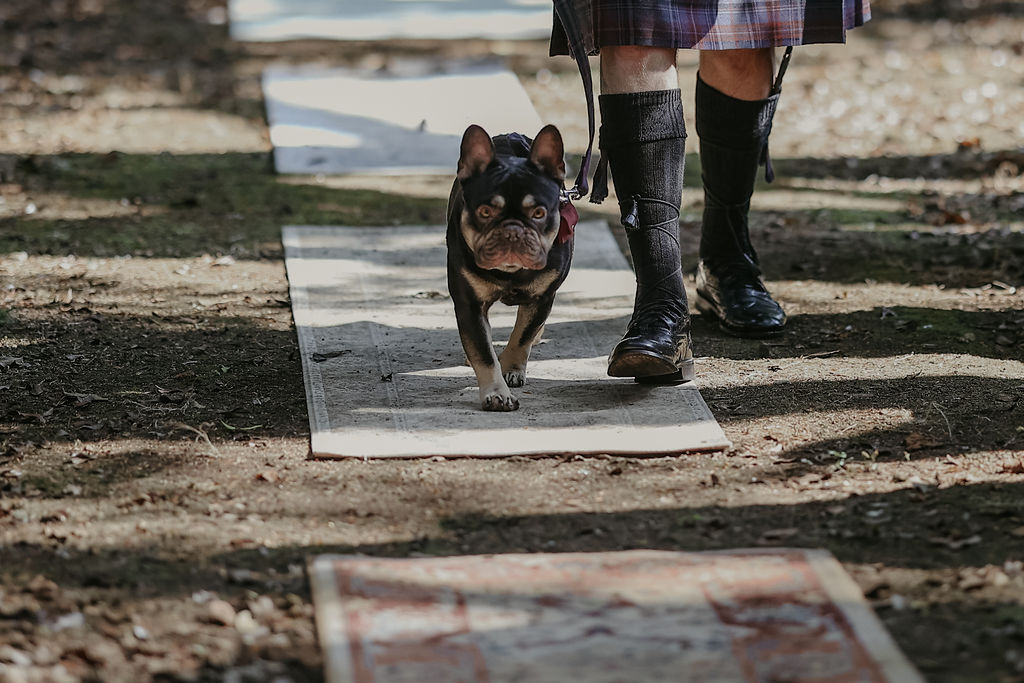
<point x="743" y="305"/>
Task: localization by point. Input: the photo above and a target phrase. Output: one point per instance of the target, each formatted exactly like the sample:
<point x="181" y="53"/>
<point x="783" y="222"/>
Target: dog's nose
<point x="513" y="230"/>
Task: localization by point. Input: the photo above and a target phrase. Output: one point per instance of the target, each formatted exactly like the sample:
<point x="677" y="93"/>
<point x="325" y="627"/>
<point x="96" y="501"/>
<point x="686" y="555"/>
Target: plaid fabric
<point x="712" y="24"/>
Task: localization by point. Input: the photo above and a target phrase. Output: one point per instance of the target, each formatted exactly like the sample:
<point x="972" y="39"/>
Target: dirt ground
<point x="156" y="501"/>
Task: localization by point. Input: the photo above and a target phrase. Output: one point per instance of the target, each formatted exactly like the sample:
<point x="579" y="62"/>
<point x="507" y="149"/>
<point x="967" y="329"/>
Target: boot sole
<point x="708" y="308"/>
<point x="685" y="373"/>
<point x="650" y="368"/>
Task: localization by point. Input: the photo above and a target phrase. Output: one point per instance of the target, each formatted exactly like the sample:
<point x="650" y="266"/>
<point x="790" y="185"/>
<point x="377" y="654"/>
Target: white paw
<point x="499" y="401"/>
<point x="515" y="377"/>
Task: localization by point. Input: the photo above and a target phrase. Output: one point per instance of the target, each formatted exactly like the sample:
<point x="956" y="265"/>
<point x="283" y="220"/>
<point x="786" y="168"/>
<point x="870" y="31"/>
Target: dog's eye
<point x="485" y="212"/>
<point x="538" y="213"/>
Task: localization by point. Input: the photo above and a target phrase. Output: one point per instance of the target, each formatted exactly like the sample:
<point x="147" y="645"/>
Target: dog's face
<point x="510" y="218"/>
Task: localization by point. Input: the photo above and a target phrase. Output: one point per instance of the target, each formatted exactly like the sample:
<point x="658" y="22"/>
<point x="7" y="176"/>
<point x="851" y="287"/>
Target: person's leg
<point x="743" y="74"/>
<point x="643" y="139"/>
<point x="734" y="113"/>
<point x="628" y="68"/>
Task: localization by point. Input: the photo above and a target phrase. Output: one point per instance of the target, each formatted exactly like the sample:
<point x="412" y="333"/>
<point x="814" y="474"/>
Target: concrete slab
<point x="384" y="367"/>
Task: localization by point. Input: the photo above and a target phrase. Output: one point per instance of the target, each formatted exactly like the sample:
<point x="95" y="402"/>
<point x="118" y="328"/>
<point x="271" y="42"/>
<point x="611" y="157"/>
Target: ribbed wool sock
<point x="643" y="137"/>
<point x="733" y="142"/>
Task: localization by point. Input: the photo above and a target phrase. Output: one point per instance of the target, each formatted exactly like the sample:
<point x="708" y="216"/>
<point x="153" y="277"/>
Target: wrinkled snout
<point x="512" y="246"/>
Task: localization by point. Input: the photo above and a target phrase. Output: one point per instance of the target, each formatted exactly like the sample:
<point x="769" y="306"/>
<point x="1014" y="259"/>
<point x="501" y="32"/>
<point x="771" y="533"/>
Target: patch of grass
<point x="208" y="203"/>
<point x="951" y="330"/>
<point x="934" y="322"/>
<point x="865" y="218"/>
<point x="48" y="486"/>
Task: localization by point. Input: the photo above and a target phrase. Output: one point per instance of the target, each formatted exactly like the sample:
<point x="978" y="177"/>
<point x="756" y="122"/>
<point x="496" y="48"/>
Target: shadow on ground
<point x="103" y="376"/>
<point x="885" y="538"/>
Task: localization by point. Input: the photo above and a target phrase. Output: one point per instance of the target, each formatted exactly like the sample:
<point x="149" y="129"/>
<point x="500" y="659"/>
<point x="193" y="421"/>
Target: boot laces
<point x="657" y="308"/>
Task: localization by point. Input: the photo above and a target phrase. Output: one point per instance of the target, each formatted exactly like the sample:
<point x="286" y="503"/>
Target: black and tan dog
<point x="505" y="244"/>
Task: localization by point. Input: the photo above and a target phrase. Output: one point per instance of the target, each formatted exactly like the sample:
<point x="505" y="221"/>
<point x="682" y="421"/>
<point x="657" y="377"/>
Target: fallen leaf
<point x="922" y="485"/>
<point x="269" y="476"/>
<point x="1016" y="467"/>
<point x="955" y="543"/>
<point x="18" y="658"/>
<point x="82" y="400"/>
<point x="245" y="622"/>
<point x="321" y="357"/>
<point x="916" y="441"/>
<point x="221" y="612"/>
<point x="822" y="354"/>
<point x="772" y="535"/>
<point x="971" y="582"/>
<point x="241" y="575"/>
<point x="232" y="428"/>
<point x="38" y="417"/>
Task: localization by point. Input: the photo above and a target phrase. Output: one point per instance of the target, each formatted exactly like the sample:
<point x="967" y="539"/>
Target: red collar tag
<point x="568" y="224"/>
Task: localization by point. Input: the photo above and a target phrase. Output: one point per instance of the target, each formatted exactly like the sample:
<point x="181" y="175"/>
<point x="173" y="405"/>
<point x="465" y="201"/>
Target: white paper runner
<point x="272" y="20"/>
<point x="332" y="121"/>
<point x="384" y="368"/>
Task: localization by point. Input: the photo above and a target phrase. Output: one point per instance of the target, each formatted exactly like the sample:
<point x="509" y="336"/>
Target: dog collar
<point x="569" y="218"/>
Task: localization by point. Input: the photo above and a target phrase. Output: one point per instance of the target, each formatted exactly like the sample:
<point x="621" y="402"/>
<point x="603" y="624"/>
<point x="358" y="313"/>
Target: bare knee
<point x="743" y="74"/>
<point x="633" y="68"/>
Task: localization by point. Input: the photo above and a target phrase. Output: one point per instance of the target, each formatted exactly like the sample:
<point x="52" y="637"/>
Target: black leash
<point x="570" y="22"/>
<point x="783" y="65"/>
<point x="766" y="157"/>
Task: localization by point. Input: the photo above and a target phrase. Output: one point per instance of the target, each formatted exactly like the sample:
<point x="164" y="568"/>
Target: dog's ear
<point x="477" y="152"/>
<point x="548" y="152"/>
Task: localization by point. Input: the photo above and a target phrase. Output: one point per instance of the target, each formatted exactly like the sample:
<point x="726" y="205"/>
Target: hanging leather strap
<point x="574" y="34"/>
<point x="783" y="65"/>
<point x="766" y="157"/>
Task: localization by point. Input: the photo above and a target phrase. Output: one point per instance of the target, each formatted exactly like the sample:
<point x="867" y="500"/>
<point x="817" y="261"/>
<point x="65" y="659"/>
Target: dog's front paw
<point x="515" y="377"/>
<point x="499" y="401"/>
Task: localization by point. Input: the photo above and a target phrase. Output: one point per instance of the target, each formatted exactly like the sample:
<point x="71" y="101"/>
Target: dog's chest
<point x="511" y="293"/>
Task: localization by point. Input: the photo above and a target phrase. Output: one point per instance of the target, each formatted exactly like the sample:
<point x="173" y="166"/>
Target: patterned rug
<point x="636" y="616"/>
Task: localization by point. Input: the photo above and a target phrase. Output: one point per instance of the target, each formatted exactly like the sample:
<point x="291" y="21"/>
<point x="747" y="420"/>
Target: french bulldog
<point x="506" y="242"/>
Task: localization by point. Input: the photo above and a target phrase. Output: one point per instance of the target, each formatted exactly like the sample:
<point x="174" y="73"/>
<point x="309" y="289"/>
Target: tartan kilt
<point x="711" y="24"/>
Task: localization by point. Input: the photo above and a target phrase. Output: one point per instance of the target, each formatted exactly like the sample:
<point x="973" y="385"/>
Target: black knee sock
<point x="733" y="137"/>
<point x="643" y="137"/>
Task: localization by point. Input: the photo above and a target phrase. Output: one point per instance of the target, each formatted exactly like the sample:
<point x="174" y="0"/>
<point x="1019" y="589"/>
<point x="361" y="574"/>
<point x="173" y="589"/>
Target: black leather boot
<point x="643" y="139"/>
<point x="733" y="143"/>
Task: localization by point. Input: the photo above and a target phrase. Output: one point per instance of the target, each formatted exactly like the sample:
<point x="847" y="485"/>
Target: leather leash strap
<point x="570" y="22"/>
<point x="783" y="65"/>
